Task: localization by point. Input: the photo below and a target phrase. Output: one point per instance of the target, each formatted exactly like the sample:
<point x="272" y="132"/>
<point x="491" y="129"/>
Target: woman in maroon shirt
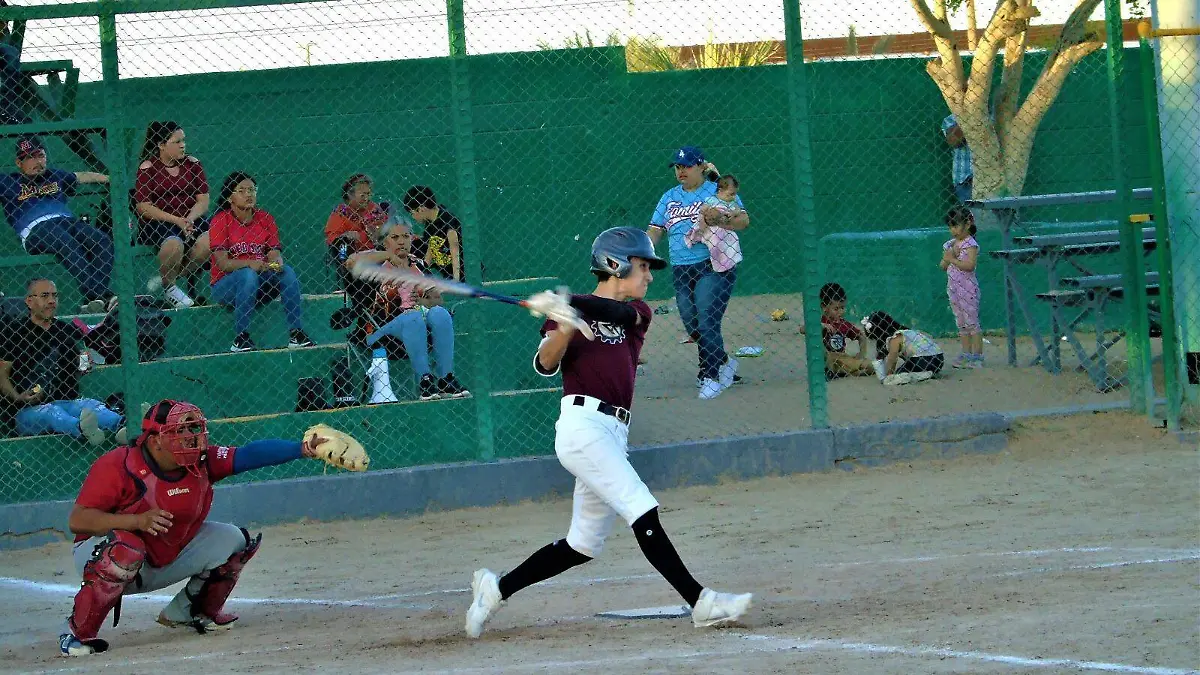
<point x="247" y="262"/>
<point x="170" y="196"/>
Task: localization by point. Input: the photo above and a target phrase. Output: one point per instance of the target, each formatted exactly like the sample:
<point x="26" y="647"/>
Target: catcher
<point x="140" y="521"/>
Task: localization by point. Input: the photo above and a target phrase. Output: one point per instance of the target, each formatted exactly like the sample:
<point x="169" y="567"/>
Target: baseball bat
<point x="380" y="274"/>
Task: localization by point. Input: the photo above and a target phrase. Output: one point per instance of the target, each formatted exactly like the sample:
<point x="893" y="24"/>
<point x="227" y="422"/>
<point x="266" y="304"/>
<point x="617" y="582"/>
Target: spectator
<point x="35" y="203"/>
<point x="961" y="173"/>
<point x="959" y="257"/>
<point x="171" y="200"/>
<point x="247" y="262"/>
<point x="835" y="331"/>
<point x="13" y="87"/>
<point x="701" y="292"/>
<point x="412" y="313"/>
<point x="906" y="352"/>
<point x="41" y="360"/>
<point x="443" y="233"/>
<point x="354" y="225"/>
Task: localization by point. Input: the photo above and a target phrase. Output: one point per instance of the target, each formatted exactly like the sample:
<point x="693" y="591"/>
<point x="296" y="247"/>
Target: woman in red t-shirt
<point x="170" y="197"/>
<point x="247" y="262"/>
<point x="354" y="224"/>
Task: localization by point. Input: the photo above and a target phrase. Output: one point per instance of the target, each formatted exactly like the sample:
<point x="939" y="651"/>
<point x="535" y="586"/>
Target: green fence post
<point x="1166" y="276"/>
<point x="1141" y="387"/>
<point x="464" y="162"/>
<point x="118" y="187"/>
<point x="805" y="212"/>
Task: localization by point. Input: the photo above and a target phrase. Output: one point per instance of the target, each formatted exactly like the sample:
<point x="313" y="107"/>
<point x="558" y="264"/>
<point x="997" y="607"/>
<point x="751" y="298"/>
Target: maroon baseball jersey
<point x="605" y="368"/>
<point x="123" y="481"/>
<point x="174" y="194"/>
<point x="842" y="330"/>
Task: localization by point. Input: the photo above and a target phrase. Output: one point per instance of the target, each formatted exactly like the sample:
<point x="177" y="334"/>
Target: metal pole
<point x="118" y="187"/>
<point x="468" y="207"/>
<point x="1141" y="387"/>
<point x="1166" y="277"/>
<point x="805" y="213"/>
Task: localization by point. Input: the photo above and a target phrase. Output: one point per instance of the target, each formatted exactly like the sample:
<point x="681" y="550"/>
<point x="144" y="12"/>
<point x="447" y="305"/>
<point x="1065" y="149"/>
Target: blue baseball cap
<point x="688" y="155"/>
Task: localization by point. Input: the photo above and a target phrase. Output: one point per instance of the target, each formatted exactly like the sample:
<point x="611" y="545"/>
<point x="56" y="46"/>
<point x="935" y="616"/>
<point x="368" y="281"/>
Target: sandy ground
<point x="773" y="396"/>
<point x="1074" y="551"/>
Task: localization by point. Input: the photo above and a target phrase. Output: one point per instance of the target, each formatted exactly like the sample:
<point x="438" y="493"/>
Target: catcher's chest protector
<point x="188" y="499"/>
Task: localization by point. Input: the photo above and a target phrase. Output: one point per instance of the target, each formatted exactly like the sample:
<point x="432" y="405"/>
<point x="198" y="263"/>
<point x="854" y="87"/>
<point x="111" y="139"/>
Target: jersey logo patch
<point x="837" y="341"/>
<point x="222" y="452"/>
<point x="608" y="333"/>
<point x="178" y="491"/>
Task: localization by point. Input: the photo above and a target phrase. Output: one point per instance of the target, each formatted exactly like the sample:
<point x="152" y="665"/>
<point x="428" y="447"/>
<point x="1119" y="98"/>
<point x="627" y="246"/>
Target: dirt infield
<point x="1075" y="550"/>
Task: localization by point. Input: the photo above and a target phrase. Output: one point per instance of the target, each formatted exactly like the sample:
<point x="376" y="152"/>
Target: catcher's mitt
<point x="336" y="448"/>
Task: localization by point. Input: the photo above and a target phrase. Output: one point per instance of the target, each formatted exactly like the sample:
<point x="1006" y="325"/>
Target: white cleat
<point x="877" y="366"/>
<point x="486" y="600"/>
<point x="713" y="608"/>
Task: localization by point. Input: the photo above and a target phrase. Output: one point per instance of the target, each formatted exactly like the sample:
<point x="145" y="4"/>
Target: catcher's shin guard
<point x="209" y="602"/>
<point x="114" y="565"/>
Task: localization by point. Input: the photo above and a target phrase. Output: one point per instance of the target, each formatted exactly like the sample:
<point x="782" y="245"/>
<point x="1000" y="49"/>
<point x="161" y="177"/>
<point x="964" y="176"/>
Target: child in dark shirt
<point x="835" y="331"/>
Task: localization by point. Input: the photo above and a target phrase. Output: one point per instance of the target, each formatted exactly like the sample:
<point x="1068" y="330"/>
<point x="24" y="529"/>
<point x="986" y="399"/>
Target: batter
<point x="592" y="438"/>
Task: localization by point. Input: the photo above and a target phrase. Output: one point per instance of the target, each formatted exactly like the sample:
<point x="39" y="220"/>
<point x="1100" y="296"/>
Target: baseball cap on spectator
<point x="28" y="146"/>
<point x="688" y="155"/>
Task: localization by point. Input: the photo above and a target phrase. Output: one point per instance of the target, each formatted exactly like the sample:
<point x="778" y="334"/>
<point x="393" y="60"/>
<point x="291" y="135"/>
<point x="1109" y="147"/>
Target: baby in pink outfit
<point x="724" y="248"/>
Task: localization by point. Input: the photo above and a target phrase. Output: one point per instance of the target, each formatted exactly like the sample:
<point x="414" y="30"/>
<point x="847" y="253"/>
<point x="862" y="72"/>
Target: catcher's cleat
<point x="713" y="608"/>
<point x="486" y="600"/>
<point x="200" y="623"/>
<point x="69" y="645"/>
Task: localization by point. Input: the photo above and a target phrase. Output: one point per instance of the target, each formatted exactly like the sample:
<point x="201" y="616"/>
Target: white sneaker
<point x="154" y="284"/>
<point x="177" y="297"/>
<point x="725" y="375"/>
<point x="89" y="426"/>
<point x="877" y="365"/>
<point x="713" y="608"/>
<point x="486" y="600"/>
<point x="710" y="388"/>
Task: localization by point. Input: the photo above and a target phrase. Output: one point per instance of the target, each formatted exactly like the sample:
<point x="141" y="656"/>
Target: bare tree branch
<point x="1011" y="19"/>
<point x="1045" y="91"/>
<point x="939" y="9"/>
<point x="1010" y="81"/>
<point x="943" y="39"/>
<point x="939" y="28"/>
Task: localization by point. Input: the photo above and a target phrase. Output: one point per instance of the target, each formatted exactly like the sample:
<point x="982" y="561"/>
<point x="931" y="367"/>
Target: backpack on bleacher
<point x="105" y="337"/>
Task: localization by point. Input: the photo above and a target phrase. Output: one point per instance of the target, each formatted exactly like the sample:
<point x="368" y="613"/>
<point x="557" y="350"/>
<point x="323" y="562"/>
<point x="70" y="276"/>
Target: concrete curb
<point x="405" y="492"/>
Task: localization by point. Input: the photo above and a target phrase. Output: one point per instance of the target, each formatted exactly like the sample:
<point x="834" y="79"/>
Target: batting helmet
<point x="614" y="247"/>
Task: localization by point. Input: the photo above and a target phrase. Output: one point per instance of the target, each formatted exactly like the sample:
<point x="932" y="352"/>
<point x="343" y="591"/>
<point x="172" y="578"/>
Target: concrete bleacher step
<point x="395" y="435"/>
<point x="209" y="329"/>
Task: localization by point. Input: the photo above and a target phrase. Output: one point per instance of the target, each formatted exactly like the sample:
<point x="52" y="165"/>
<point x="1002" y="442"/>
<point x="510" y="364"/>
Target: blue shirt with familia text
<point x="677" y="212"/>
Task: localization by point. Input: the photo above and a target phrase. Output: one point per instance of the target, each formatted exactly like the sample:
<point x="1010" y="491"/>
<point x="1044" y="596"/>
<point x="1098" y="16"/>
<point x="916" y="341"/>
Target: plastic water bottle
<point x="343" y="252"/>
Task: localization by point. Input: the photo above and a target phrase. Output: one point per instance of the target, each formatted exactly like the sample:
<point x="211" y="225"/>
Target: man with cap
<point x="701" y="293"/>
<point x="35" y="203"/>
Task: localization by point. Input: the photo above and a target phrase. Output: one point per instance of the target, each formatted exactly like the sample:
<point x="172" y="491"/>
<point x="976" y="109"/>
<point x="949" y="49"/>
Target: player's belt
<point x="622" y="414"/>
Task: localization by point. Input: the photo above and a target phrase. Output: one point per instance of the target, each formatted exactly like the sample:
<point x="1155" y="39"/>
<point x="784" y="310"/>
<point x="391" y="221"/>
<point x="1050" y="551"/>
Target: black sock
<point x="549" y="561"/>
<point x="657" y="548"/>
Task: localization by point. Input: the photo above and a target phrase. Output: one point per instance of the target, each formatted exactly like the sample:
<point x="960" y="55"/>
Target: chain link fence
<point x="236" y="159"/>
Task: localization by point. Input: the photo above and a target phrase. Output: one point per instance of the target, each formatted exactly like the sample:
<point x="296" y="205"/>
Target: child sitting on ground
<point x="908" y="355"/>
<point x="835" y="331"/>
<point x="724" y="247"/>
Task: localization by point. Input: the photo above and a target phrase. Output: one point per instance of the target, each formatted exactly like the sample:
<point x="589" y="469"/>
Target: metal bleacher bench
<point x="1089" y="291"/>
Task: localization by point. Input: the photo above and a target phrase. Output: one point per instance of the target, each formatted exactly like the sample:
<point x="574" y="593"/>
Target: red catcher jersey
<point x="124" y="481"/>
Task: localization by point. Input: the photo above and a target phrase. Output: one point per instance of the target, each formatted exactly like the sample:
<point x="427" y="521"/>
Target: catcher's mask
<point x="181" y="430"/>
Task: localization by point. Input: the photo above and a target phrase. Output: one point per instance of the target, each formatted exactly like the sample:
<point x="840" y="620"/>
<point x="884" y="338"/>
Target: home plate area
<point x="1053" y="556"/>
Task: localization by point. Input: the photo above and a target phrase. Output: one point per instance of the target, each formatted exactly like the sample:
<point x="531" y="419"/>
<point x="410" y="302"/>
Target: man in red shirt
<point x="141" y="525"/>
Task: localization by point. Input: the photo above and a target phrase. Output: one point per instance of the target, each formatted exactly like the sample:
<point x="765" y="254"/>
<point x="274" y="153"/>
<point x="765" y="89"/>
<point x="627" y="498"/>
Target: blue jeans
<point x="62" y="417"/>
<point x="962" y="191"/>
<point x="86" y="252"/>
<point x="414" y="328"/>
<point x="245" y="289"/>
<point x="702" y="295"/>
